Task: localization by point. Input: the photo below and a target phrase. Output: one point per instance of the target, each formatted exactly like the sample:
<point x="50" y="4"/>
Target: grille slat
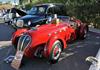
<point x="23" y="42"/>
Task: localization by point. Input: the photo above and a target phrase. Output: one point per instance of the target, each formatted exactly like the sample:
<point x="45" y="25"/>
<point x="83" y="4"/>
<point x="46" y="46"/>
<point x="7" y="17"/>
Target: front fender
<point x="18" y="33"/>
<point x="48" y="46"/>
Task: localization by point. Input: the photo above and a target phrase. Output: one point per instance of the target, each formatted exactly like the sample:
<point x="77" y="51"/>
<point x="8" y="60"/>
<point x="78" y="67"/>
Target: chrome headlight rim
<point x="20" y="23"/>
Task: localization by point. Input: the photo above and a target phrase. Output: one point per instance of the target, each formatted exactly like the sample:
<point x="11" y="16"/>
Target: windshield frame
<point x="37" y="11"/>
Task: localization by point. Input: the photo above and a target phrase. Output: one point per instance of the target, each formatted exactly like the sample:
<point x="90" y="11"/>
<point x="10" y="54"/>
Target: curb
<point x="94" y="30"/>
<point x="5" y="43"/>
<point x="96" y="65"/>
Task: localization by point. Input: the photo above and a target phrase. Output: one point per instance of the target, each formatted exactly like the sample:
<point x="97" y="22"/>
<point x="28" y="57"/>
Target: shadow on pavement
<point x="5" y="32"/>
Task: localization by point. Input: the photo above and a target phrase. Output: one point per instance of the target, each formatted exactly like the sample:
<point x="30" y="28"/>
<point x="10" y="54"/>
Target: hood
<point x="20" y="12"/>
<point x="32" y="18"/>
<point x="29" y="17"/>
<point x="47" y="28"/>
<point x="40" y="34"/>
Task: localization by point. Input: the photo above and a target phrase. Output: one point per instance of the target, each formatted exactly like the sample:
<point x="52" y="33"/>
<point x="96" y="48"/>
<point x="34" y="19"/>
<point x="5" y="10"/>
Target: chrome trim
<point x="23" y="42"/>
<point x="20" y="46"/>
<point x="20" y="23"/>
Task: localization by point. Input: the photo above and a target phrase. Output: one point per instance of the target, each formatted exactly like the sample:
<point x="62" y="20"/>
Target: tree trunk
<point x="29" y="1"/>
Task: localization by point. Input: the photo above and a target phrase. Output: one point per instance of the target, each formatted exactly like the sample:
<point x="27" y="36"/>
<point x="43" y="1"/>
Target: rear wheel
<point x="71" y="38"/>
<point x="55" y="52"/>
<point x="84" y="34"/>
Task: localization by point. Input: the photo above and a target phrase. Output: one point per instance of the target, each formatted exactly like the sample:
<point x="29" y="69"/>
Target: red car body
<point x="43" y="38"/>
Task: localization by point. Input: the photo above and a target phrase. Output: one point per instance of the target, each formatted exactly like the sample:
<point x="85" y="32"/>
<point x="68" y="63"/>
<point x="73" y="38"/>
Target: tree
<point x="86" y="10"/>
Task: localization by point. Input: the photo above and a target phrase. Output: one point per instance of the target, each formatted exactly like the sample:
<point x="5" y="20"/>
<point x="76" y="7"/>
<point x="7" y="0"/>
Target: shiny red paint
<point x="18" y="33"/>
<point x="46" y="35"/>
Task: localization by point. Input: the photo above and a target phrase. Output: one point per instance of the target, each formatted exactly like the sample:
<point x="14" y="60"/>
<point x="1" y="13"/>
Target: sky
<point x="9" y="0"/>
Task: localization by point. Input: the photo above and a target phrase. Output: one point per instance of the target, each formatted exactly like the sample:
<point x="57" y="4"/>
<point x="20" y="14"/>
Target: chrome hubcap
<point x="56" y="52"/>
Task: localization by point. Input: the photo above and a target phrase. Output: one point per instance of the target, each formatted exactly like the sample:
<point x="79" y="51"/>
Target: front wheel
<point x="55" y="52"/>
<point x="16" y="42"/>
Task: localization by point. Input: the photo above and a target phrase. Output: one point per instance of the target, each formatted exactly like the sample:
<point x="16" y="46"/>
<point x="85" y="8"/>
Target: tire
<point x="71" y="40"/>
<point x="55" y="52"/>
<point x="84" y="35"/>
<point x="16" y="42"/>
<point x="38" y="52"/>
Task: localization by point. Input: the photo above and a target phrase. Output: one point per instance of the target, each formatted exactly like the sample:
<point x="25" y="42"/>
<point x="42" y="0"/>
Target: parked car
<point x="10" y="15"/>
<point x="47" y="40"/>
<point x="40" y="13"/>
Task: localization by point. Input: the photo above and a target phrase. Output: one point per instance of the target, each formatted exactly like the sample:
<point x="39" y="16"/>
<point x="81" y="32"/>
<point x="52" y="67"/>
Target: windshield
<point x="37" y="10"/>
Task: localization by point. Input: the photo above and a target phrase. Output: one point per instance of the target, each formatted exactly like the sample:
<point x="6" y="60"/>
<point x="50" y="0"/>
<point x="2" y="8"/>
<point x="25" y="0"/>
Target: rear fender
<point x="48" y="46"/>
<point x="82" y="27"/>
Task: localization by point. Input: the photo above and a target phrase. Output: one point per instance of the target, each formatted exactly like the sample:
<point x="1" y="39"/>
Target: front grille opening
<point x="23" y="42"/>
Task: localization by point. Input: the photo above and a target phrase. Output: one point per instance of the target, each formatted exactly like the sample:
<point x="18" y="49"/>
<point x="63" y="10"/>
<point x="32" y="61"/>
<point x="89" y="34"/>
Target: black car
<point x="39" y="14"/>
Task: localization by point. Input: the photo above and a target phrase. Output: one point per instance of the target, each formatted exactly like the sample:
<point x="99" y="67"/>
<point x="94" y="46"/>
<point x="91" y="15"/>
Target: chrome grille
<point x="23" y="42"/>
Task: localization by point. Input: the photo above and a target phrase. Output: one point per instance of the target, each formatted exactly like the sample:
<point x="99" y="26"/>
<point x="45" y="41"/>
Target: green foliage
<point x="28" y="6"/>
<point x="86" y="10"/>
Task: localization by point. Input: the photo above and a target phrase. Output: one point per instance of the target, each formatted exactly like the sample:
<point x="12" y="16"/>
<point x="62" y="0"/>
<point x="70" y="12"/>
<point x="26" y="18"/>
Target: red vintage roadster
<point x="48" y="40"/>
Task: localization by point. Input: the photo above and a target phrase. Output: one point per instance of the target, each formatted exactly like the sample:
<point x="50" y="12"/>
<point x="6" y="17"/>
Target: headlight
<point x="20" y="23"/>
<point x="29" y="23"/>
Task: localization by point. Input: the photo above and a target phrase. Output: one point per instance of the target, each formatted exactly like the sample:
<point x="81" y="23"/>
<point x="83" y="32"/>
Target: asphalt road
<point x="73" y="57"/>
<point x="5" y="32"/>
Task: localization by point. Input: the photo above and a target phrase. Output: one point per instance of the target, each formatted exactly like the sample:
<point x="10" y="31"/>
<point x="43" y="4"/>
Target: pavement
<point x="5" y="32"/>
<point x="5" y="43"/>
<point x="73" y="57"/>
<point x="94" y="30"/>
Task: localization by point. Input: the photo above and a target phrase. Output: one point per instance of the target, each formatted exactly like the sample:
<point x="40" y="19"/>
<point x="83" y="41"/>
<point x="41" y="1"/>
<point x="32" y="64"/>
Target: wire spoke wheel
<point x="85" y="33"/>
<point x="56" y="51"/>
